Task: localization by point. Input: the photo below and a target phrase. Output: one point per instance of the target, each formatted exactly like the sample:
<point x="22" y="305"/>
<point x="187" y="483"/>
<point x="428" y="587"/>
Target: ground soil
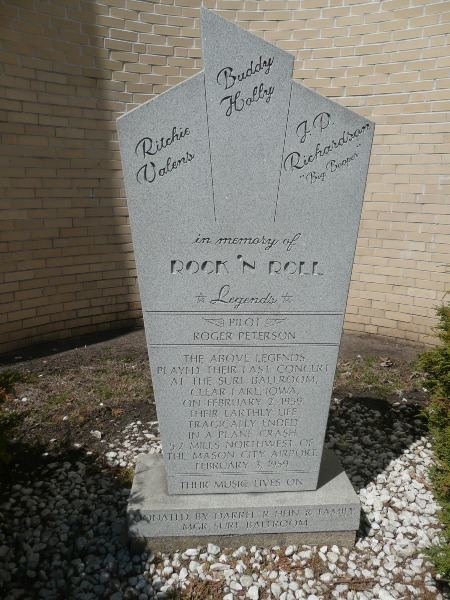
<point x="81" y="394"/>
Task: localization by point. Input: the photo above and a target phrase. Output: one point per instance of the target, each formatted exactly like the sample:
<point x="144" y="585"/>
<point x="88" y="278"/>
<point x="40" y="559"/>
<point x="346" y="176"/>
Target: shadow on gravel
<point x="63" y="512"/>
<point x="63" y="532"/>
<point x="367" y="434"/>
<point x="27" y="460"/>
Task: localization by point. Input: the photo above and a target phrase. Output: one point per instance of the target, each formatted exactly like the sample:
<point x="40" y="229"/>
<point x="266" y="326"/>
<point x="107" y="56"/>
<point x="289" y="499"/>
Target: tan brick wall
<point x="70" y="67"/>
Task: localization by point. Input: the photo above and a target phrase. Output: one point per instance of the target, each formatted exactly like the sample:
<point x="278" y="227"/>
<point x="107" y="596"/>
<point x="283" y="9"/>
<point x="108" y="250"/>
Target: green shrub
<point x="436" y="364"/>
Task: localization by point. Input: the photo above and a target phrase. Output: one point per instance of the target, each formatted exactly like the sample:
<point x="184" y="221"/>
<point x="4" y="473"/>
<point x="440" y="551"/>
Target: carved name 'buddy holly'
<point x="228" y="79"/>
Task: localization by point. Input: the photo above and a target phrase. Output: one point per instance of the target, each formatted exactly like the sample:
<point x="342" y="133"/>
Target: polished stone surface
<point x="244" y="191"/>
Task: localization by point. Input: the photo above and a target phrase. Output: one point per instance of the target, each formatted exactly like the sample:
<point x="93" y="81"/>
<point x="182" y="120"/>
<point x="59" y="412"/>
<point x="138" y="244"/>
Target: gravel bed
<point x="63" y="531"/>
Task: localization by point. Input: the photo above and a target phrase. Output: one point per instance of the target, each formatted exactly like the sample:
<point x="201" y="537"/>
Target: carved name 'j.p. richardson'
<point x="244" y="191"/>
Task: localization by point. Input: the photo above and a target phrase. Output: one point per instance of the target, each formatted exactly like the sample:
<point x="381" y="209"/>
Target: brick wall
<point x="70" y="67"/>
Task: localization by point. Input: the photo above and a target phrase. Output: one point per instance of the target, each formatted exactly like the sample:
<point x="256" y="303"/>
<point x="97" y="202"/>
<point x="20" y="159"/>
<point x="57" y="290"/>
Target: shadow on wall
<point x="67" y="261"/>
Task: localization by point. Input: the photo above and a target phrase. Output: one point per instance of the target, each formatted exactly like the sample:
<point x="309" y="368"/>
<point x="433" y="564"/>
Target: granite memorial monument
<point x="244" y="191"/>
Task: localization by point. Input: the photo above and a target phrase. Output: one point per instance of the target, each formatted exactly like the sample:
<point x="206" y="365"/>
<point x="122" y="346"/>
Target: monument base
<point x="159" y="521"/>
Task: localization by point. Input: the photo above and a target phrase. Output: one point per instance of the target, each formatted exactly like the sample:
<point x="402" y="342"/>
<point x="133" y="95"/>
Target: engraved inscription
<point x="149" y="147"/>
<point x="224" y="297"/>
<point x="255" y="519"/>
<point x="237" y="100"/>
<point x="297" y="161"/>
<point x="192" y="266"/>
<point x="266" y="242"/>
<point x="245" y="412"/>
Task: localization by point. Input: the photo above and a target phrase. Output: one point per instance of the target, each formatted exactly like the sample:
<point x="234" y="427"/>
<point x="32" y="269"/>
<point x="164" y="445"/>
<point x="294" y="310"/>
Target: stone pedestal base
<point x="157" y="521"/>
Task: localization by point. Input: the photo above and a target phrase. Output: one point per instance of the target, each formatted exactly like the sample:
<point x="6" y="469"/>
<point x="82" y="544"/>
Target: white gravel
<point x="62" y="532"/>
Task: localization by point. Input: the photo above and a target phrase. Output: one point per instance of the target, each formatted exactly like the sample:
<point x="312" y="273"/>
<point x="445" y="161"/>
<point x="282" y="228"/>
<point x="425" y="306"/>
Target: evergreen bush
<point x="436" y="364"/>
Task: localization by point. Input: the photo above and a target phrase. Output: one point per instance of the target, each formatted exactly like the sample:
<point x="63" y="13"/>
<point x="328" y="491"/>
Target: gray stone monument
<point x="244" y="192"/>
